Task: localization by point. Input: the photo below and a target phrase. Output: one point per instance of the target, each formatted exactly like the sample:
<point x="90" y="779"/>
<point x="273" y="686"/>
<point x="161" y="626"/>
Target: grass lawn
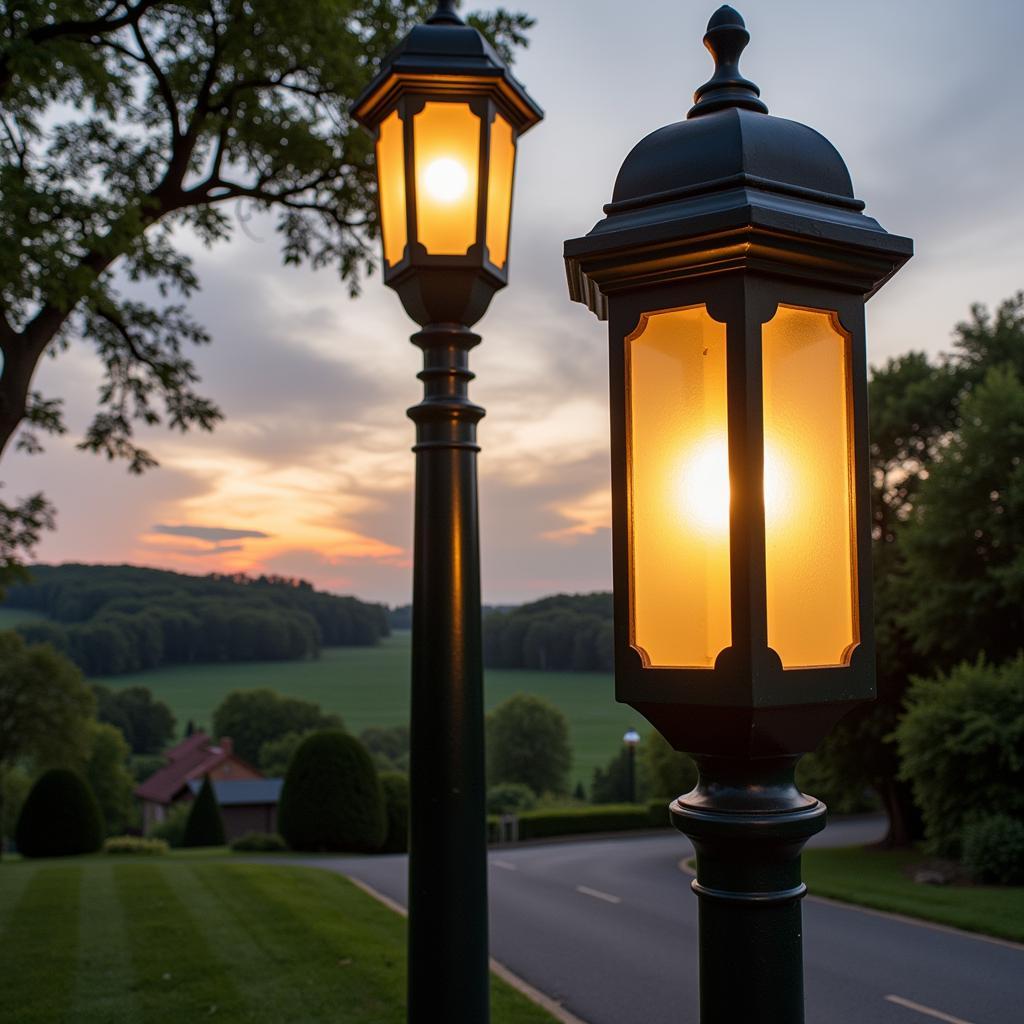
<point x="878" y="879"/>
<point x="104" y="941"/>
<point x="369" y="686"/>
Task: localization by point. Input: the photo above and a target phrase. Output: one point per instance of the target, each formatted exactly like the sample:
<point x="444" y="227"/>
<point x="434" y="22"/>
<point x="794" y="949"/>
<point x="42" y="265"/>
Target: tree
<point x="528" y="742"/>
<point x="389" y="748"/>
<point x="123" y="123"/>
<point x="395" y="787"/>
<point x="60" y="817"/>
<point x="611" y="784"/>
<point x="147" y="724"/>
<point x="277" y="754"/>
<point x="332" y="797"/>
<point x="106" y="771"/>
<point x="254" y="717"/>
<point x="45" y="707"/>
<point x="204" y="825"/>
<point x="663" y="773"/>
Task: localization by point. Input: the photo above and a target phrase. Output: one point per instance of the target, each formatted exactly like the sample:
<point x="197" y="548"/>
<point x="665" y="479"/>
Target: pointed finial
<point x="445" y="14"/>
<point x="726" y="38"/>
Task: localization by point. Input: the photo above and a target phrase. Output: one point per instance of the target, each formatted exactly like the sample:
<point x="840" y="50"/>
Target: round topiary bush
<point x="60" y="817"/>
<point x="994" y="850"/>
<point x="204" y="825"/>
<point x="396" y="805"/>
<point x="332" y="797"/>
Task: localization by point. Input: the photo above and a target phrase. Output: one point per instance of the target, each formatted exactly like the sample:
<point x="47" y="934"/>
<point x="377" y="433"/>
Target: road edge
<point x="545" y="1002"/>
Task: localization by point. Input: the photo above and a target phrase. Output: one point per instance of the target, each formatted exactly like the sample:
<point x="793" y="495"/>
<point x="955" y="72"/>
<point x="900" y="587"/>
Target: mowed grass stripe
<point x="105" y="985"/>
<point x="177" y="974"/>
<point x="39" y="989"/>
<point x="335" y="946"/>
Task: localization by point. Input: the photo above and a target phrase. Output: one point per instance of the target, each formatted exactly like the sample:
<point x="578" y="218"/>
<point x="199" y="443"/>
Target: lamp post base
<point x="748" y="823"/>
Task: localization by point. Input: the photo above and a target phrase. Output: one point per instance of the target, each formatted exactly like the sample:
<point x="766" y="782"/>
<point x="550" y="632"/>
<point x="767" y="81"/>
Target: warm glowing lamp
<point x="447" y="114"/>
<point x="733" y="265"/>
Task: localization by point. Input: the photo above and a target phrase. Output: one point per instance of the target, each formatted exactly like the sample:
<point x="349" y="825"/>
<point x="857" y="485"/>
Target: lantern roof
<point x="732" y="167"/>
<point x="444" y="48"/>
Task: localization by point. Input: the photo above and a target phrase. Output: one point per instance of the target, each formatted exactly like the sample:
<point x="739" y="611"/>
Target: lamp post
<point x="733" y="265"/>
<point x="446" y="114"/>
<point x="631" y="739"/>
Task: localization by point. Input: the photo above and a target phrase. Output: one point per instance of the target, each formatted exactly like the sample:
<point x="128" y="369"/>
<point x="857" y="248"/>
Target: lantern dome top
<point x="444" y="48"/>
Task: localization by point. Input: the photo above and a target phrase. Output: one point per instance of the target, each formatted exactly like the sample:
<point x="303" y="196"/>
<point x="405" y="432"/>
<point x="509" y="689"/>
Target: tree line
<point x="115" y="619"/>
<point x="563" y="633"/>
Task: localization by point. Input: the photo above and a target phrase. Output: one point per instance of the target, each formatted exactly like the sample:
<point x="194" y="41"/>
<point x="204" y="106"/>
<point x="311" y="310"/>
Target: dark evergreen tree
<point x="332" y="797"/>
<point x="395" y="786"/>
<point x="204" y="825"/>
<point x="60" y="817"/>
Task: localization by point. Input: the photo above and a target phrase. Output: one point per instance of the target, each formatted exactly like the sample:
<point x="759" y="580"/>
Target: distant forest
<point x="111" y="619"/>
<point x="564" y="633"/>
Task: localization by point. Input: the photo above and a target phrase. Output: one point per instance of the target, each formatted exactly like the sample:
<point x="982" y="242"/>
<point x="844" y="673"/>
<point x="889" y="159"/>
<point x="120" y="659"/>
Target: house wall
<point x="242" y="818"/>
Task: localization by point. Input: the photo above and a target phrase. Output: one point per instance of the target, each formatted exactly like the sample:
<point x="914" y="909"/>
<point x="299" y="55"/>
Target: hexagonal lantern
<point x="733" y="265"/>
<point x="446" y="113"/>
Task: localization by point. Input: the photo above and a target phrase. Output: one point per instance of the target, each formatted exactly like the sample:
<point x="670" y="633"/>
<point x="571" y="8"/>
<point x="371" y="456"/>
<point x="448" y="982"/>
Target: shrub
<point x="332" y="797"/>
<point x="396" y="804"/>
<point x="510" y="798"/>
<point x="964" y="733"/>
<point x="135" y="844"/>
<point x="994" y="849"/>
<point x="662" y="771"/>
<point x="204" y="825"/>
<point x="60" y="817"/>
<point x="597" y="818"/>
<point x="528" y="742"/>
<point x="259" y="842"/>
<point x="172" y="828"/>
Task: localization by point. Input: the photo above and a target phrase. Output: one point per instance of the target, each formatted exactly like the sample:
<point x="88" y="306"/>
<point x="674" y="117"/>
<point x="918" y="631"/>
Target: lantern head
<point x="733" y="265"/>
<point x="446" y="114"/>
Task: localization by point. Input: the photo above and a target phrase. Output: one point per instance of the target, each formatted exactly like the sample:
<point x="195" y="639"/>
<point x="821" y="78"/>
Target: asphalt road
<point x="608" y="928"/>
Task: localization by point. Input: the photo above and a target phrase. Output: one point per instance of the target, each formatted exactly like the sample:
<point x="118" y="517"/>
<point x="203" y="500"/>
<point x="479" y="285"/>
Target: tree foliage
<point x="253" y="718"/>
<point x="204" y="825"/>
<point x="146" y="724"/>
<point x="126" y="124"/>
<point x="60" y="817"/>
<point x="332" y="797"/>
<point x="107" y="774"/>
<point x="663" y="773"/>
<point x="528" y="742"/>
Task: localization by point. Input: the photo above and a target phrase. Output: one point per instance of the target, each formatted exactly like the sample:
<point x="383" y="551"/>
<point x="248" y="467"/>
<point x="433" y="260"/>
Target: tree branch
<point x="163" y="86"/>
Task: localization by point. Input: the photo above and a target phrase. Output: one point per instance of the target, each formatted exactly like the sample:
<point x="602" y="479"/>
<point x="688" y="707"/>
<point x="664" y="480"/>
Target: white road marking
<point x="598" y="895"/>
<point x="926" y="1010"/>
<point x="506" y="864"/>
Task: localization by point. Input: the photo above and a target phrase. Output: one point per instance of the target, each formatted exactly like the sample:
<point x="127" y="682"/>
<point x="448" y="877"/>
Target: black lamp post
<point x="446" y="114"/>
<point x="733" y="266"/>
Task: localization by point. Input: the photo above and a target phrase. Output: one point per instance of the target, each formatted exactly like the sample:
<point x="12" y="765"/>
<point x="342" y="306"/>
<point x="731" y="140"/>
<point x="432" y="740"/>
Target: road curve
<point x="608" y="928"/>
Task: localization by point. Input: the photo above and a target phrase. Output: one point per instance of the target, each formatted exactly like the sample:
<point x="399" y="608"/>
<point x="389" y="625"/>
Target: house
<point x="193" y="758"/>
<point x="246" y="805"/>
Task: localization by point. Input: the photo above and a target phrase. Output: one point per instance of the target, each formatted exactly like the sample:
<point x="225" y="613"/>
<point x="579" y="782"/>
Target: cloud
<point x="210" y="533"/>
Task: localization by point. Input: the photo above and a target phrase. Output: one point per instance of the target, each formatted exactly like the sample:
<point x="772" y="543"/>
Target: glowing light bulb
<point x="446" y="180"/>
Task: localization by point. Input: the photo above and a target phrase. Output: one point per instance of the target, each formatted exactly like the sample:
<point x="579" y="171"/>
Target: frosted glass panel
<point x="447" y="177"/>
<point x="810" y="557"/>
<point x="391" y="186"/>
<point x="677" y="441"/>
<point x="499" y="190"/>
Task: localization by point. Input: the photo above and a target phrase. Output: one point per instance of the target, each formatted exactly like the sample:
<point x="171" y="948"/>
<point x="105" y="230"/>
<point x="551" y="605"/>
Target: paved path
<point x="608" y="928"/>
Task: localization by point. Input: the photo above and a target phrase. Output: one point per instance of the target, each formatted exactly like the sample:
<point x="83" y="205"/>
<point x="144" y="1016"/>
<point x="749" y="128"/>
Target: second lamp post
<point x="446" y="114"/>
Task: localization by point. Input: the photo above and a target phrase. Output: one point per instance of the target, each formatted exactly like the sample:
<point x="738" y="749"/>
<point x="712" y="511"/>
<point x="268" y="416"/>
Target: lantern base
<point x="748" y="822"/>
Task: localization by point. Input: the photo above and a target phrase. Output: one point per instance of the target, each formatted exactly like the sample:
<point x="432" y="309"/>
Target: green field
<point x="94" y="940"/>
<point x="11" y="617"/>
<point x="369" y="686"/>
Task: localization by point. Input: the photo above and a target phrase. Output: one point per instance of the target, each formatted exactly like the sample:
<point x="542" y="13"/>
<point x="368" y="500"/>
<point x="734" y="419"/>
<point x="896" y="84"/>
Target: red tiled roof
<point x="190" y="759"/>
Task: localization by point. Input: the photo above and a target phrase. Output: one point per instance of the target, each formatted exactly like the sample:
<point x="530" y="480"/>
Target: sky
<point x="311" y="473"/>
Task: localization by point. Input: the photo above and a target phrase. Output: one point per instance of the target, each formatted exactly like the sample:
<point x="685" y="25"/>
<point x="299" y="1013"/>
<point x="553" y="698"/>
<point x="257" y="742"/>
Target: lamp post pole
<point x="448" y="960"/>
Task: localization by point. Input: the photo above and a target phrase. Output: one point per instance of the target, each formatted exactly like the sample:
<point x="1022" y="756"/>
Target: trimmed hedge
<point x="994" y="850"/>
<point x="134" y="845"/>
<point x="204" y="825"/>
<point x="332" y="798"/>
<point x="60" y="817"/>
<point x="259" y="842"/>
<point x="598" y="818"/>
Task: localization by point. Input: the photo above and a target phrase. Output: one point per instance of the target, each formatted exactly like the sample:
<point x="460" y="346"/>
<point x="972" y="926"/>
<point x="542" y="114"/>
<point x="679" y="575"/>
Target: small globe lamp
<point x="733" y="265"/>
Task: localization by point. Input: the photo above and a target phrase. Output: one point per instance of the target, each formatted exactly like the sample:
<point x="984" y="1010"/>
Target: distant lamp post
<point x="631" y="739"/>
<point x="733" y="266"/>
<point x="446" y="114"/>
